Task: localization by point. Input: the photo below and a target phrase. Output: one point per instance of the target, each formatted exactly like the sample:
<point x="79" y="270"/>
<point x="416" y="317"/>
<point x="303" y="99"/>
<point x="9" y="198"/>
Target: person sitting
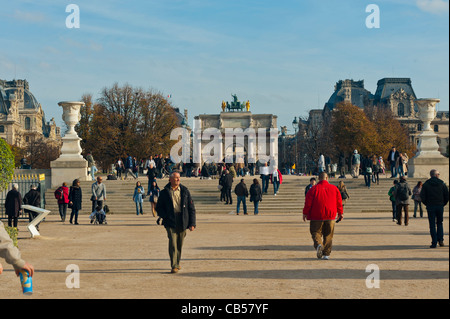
<point x="99" y="215"/>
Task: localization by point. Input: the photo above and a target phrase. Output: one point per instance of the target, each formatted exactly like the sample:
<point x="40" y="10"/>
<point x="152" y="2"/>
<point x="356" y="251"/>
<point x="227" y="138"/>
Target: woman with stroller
<point x="138" y="197"/>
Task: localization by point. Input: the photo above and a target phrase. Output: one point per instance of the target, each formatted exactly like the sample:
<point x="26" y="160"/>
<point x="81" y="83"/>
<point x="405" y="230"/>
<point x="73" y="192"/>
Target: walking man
<point x="176" y="207"/>
<point x="434" y="195"/>
<point x="241" y="192"/>
<point x="323" y="202"/>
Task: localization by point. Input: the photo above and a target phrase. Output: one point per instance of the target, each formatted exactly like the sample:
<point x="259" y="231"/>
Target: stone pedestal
<point x="71" y="164"/>
<point x="428" y="156"/>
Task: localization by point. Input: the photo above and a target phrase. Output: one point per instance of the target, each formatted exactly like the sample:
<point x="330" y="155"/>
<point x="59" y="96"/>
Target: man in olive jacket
<point x="176" y="207"/>
<point x="434" y="195"/>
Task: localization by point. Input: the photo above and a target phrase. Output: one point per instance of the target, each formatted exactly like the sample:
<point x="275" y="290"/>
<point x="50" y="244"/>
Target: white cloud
<point x="433" y="6"/>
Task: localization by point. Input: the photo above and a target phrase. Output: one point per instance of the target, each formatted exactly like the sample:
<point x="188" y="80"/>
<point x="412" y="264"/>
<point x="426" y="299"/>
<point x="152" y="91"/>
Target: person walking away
<point x="322" y="204"/>
<point x="75" y="200"/>
<point x="153" y="193"/>
<point x="393" y="160"/>
<point x="138" y="198"/>
<point x="264" y="172"/>
<point x="402" y="193"/>
<point x="177" y="210"/>
<point x="416" y="197"/>
<point x="343" y="190"/>
<point x="62" y="196"/>
<point x="312" y="182"/>
<point x="276" y="179"/>
<point x="241" y="192"/>
<point x="367" y="170"/>
<point x="32" y="198"/>
<point x="98" y="193"/>
<point x="228" y="184"/>
<point x="255" y="195"/>
<point x="356" y="162"/>
<point x="221" y="185"/>
<point x="434" y="196"/>
<point x="13" y="205"/>
<point x="392" y="199"/>
<point x="376" y="167"/>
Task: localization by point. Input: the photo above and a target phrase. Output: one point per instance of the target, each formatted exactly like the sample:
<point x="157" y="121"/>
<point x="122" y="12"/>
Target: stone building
<point x="394" y="94"/>
<point x="22" y="118"/>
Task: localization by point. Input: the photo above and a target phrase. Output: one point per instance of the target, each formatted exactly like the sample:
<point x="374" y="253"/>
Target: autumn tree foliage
<point x="126" y="120"/>
<point x="371" y="131"/>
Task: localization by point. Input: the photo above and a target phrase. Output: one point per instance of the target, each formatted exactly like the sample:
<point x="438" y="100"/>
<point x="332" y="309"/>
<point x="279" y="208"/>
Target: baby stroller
<point x="98" y="216"/>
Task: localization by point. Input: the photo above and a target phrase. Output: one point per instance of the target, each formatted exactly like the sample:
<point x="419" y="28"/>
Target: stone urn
<point x="428" y="156"/>
<point x="70" y="165"/>
<point x="71" y="148"/>
<point x="428" y="145"/>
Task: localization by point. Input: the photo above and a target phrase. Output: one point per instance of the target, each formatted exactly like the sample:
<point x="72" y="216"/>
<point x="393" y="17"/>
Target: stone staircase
<point x="290" y="198"/>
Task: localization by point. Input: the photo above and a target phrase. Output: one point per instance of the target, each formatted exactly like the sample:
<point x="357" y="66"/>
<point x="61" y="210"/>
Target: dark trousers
<point x="74" y="214"/>
<point x="399" y="214"/>
<point x="12" y="221"/>
<point x="62" y="211"/>
<point x="228" y="197"/>
<point x="96" y="203"/>
<point x="435" y="219"/>
<point x="394" y="210"/>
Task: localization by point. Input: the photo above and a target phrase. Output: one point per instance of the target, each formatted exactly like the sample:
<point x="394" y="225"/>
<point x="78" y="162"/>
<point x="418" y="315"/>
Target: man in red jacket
<point x="322" y="203"/>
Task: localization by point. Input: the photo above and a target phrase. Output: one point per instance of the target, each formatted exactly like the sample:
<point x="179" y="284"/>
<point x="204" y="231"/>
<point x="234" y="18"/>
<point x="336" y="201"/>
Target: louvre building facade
<point x="22" y="118"/>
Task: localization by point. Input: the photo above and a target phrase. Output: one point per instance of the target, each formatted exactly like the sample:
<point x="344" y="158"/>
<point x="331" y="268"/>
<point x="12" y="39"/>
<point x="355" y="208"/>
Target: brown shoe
<point x="174" y="270"/>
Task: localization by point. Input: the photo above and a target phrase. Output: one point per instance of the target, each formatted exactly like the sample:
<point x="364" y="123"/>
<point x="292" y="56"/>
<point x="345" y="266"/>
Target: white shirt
<point x="264" y="170"/>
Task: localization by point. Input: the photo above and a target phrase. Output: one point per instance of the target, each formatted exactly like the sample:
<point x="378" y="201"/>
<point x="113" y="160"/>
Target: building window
<point x="2" y="129"/>
<point x="401" y="109"/>
<point x="436" y="128"/>
<point x="27" y="139"/>
<point x="419" y="127"/>
<point x="27" y="123"/>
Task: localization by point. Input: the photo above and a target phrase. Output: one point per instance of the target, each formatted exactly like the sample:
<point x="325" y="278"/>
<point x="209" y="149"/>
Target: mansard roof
<point x="388" y="86"/>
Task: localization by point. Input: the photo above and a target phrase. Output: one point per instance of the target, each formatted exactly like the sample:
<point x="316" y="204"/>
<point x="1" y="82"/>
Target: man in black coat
<point x="32" y="198"/>
<point x="176" y="207"/>
<point x="393" y="158"/>
<point x="13" y="205"/>
<point x="227" y="185"/>
<point x="434" y="195"/>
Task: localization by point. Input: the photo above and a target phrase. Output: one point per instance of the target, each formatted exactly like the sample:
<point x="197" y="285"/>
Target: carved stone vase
<point x="70" y="165"/>
<point x="428" y="156"/>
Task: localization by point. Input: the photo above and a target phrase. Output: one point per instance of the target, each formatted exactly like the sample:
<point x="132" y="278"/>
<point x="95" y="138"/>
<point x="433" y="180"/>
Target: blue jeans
<point x="367" y="178"/>
<point x="435" y="219"/>
<point x="265" y="183"/>
<point x="394" y="210"/>
<point x="239" y="200"/>
<point x="276" y="186"/>
<point x="256" y="204"/>
<point x="139" y="208"/>
<point x="393" y="170"/>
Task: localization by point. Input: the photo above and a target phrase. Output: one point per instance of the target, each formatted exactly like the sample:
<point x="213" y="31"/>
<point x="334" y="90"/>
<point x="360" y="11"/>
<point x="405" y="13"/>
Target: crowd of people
<point x="174" y="207"/>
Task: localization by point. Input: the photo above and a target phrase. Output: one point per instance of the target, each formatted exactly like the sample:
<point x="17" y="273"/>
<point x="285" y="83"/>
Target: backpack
<point x="59" y="193"/>
<point x="402" y="192"/>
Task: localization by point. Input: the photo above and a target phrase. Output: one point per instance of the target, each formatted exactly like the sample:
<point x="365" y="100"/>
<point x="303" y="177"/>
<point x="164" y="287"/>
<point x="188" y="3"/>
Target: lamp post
<point x="295" y="125"/>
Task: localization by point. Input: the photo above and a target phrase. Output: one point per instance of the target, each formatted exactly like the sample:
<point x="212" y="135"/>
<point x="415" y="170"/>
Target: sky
<point x="283" y="56"/>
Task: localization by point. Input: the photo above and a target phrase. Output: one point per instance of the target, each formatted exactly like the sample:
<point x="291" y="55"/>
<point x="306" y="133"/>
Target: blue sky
<point x="284" y="56"/>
